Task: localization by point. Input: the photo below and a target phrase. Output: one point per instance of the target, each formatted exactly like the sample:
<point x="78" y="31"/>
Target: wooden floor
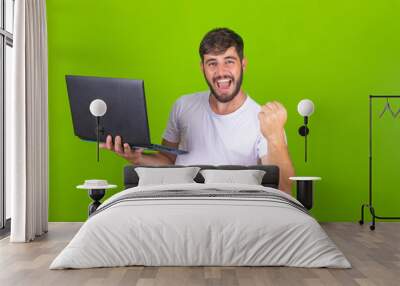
<point x="375" y="256"/>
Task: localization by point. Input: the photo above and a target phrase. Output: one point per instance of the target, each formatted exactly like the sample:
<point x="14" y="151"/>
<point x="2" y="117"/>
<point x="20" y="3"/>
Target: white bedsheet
<point x="200" y="231"/>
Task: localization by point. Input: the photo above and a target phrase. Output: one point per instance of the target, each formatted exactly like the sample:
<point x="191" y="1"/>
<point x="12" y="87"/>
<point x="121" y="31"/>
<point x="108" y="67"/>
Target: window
<point x="6" y="56"/>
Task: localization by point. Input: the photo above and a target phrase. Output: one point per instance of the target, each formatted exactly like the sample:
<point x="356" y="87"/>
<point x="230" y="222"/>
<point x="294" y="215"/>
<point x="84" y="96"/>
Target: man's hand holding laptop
<point x="136" y="156"/>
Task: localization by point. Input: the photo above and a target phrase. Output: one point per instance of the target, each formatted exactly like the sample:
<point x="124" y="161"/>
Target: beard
<point x="226" y="98"/>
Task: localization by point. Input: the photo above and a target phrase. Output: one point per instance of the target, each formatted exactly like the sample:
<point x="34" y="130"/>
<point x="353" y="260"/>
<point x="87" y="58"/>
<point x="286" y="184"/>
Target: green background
<point x="335" y="53"/>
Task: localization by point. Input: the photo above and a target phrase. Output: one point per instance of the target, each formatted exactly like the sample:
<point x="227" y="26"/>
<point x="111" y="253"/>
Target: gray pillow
<point x="163" y="176"/>
<point x="248" y="177"/>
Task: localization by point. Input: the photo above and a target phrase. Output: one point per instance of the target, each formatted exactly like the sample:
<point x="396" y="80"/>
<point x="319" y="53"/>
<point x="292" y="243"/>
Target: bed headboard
<point x="270" y="179"/>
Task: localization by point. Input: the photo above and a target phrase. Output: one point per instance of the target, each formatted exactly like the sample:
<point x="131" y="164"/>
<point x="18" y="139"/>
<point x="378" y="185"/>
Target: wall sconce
<point x="98" y="108"/>
<point x="305" y="109"/>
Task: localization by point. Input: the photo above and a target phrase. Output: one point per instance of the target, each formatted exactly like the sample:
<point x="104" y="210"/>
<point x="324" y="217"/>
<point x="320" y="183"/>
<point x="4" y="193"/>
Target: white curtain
<point x="27" y="124"/>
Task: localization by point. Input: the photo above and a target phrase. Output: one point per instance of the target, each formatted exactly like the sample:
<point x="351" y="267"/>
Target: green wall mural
<point x="335" y="53"/>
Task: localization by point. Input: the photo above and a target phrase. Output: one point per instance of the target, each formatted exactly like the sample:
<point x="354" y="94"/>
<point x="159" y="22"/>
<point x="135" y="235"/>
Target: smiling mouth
<point x="223" y="83"/>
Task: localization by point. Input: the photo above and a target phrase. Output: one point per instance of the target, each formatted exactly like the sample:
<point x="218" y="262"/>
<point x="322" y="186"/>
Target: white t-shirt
<point x="210" y="138"/>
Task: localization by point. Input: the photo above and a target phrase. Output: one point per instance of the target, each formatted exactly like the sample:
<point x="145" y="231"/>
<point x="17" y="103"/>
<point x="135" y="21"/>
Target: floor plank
<point x="375" y="257"/>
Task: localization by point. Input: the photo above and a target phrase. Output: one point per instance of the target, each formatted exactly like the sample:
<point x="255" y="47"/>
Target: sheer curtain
<point x="27" y="124"/>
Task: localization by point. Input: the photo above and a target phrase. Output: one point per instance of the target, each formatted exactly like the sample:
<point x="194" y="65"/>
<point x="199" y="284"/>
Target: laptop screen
<point x="126" y="113"/>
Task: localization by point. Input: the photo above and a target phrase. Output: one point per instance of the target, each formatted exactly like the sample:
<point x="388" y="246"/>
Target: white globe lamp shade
<point x="98" y="107"/>
<point x="305" y="107"/>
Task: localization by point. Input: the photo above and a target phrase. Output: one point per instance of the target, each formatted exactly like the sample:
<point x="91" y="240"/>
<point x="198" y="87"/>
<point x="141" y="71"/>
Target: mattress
<point x="201" y="225"/>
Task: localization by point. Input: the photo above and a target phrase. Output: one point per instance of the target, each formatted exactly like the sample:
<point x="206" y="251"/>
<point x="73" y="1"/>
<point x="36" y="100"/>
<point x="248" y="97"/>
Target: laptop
<point x="126" y="111"/>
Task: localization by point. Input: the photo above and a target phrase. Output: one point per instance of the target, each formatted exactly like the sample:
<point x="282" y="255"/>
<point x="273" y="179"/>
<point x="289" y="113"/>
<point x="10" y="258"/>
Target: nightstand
<point x="96" y="190"/>
<point x="305" y="190"/>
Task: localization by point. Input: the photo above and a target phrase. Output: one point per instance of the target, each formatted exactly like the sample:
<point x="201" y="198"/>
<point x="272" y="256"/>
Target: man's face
<point x="224" y="74"/>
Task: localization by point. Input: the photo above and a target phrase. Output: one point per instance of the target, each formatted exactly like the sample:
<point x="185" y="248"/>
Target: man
<point x="223" y="125"/>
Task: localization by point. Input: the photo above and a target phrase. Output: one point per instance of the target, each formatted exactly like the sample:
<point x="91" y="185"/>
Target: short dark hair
<point x="218" y="40"/>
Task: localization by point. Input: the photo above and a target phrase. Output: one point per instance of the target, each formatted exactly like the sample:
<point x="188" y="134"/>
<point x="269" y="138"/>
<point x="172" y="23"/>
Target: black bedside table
<point x="96" y="190"/>
<point x="305" y="190"/>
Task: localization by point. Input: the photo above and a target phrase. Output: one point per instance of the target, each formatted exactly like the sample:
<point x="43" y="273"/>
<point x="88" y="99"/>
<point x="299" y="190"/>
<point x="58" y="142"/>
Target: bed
<point x="198" y="224"/>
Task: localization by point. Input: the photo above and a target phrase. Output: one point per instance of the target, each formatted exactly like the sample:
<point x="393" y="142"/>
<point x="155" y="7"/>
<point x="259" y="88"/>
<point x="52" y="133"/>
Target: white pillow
<point x="163" y="176"/>
<point x="248" y="177"/>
